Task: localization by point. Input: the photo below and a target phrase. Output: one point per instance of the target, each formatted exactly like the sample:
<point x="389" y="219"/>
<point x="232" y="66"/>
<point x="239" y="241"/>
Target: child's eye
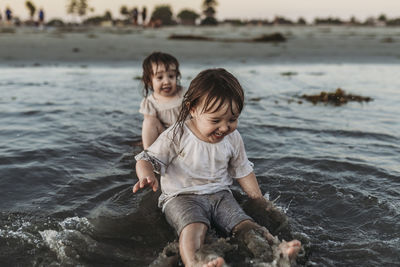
<point x="214" y="121"/>
<point x="171" y="76"/>
<point x="233" y="120"/>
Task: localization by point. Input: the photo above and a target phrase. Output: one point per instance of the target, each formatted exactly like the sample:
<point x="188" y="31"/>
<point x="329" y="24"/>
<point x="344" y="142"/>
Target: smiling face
<point x="164" y="81"/>
<point x="212" y="126"/>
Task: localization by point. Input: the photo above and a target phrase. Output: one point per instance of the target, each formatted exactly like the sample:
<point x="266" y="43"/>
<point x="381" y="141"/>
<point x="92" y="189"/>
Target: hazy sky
<point x="262" y="9"/>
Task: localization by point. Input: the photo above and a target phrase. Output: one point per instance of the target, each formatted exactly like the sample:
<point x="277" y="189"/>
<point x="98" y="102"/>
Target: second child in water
<point x="198" y="159"/>
<point x="161" y="107"/>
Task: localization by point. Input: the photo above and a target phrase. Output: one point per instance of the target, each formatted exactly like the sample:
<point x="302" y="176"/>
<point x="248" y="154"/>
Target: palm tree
<point x="207" y="3"/>
<point x="209" y="12"/>
<point x="71" y="6"/>
<point x="31" y="7"/>
<point x="124" y="11"/>
<point x="78" y="7"/>
<point x="82" y="7"/>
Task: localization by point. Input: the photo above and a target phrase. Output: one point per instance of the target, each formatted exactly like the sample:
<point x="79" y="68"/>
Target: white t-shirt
<point x="166" y="112"/>
<point x="192" y="166"/>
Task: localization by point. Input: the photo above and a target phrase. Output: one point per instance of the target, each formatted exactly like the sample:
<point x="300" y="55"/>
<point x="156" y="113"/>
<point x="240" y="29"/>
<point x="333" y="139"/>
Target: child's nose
<point x="224" y="127"/>
<point x="166" y="80"/>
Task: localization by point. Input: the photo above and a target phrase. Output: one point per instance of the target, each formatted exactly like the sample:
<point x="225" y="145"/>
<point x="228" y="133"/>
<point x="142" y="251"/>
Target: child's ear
<point x="192" y="110"/>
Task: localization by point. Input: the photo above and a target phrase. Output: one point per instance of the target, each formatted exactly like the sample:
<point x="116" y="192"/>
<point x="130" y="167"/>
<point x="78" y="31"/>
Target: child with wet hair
<point x="161" y="108"/>
<point x="198" y="159"/>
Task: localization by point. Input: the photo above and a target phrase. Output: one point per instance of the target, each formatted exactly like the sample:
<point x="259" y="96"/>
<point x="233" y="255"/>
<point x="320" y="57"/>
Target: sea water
<point x="69" y="135"/>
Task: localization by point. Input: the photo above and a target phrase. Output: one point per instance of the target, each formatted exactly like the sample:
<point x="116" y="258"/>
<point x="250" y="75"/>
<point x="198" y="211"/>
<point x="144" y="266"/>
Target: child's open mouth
<point x="219" y="135"/>
<point x="166" y="89"/>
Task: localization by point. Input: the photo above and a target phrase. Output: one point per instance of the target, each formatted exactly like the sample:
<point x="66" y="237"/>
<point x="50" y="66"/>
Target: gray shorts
<point x="219" y="209"/>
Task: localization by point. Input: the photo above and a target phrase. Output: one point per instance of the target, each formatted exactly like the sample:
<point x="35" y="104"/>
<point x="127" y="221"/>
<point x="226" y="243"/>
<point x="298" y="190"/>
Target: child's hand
<point x="146" y="181"/>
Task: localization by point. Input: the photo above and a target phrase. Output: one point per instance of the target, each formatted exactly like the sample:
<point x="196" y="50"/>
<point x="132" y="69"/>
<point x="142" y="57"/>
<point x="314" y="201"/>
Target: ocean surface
<point x="69" y="134"/>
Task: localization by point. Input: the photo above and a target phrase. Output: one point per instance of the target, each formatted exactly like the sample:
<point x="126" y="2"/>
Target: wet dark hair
<point x="215" y="87"/>
<point x="157" y="58"/>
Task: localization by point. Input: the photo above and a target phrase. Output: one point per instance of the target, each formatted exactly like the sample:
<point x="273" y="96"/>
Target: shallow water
<point x="69" y="135"/>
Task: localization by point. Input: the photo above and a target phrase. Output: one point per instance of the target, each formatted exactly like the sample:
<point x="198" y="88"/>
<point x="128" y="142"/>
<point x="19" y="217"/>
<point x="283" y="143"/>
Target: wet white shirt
<point x="166" y="112"/>
<point x="192" y="166"/>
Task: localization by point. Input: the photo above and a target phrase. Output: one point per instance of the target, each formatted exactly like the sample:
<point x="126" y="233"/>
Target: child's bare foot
<point x="217" y="262"/>
<point x="290" y="249"/>
<point x="209" y="261"/>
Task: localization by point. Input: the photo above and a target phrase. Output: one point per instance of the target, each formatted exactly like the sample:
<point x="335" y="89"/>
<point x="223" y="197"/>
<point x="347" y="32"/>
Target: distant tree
<point x="72" y="6"/>
<point x="163" y="13"/>
<point x="108" y="15"/>
<point x="98" y="20"/>
<point x="31" y="7"/>
<point x="239" y="22"/>
<point x="82" y="7"/>
<point x="124" y="11"/>
<point x="282" y="21"/>
<point x="328" y="21"/>
<point x="393" y="22"/>
<point x="55" y="23"/>
<point x="188" y="17"/>
<point x="354" y="21"/>
<point x="78" y="7"/>
<point x="382" y="18"/>
<point x="209" y="12"/>
<point x="370" y="21"/>
<point x="301" y="21"/>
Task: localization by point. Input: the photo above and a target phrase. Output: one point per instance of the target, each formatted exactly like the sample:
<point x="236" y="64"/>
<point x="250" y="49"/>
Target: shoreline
<point x="129" y="45"/>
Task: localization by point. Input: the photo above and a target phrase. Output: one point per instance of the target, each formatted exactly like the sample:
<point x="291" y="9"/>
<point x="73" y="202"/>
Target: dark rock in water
<point x="189" y="37"/>
<point x="337" y="98"/>
<point x="274" y="37"/>
<point x="289" y="73"/>
<point x="7" y="30"/>
<point x="387" y="40"/>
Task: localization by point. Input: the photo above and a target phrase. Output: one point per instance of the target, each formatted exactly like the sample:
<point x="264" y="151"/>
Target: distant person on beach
<point x="144" y="15"/>
<point x="161" y="108"/>
<point x="198" y="159"/>
<point x="8" y="16"/>
<point x="41" y="17"/>
<point x="135" y="15"/>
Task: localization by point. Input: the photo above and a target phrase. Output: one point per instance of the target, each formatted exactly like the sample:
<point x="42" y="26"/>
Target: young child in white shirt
<point x="161" y="108"/>
<point x="198" y="158"/>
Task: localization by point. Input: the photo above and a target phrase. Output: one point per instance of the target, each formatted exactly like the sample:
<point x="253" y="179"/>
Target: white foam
<point x="60" y="241"/>
<point x="18" y="230"/>
<point x="76" y="223"/>
<point x="53" y="241"/>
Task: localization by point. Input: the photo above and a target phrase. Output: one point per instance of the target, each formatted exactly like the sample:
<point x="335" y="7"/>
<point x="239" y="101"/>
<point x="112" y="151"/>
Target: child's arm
<point x="249" y="185"/>
<point x="145" y="173"/>
<point x="151" y="129"/>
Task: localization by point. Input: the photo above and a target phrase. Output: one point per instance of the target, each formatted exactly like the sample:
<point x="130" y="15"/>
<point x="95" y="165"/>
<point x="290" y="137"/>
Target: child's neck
<point x="192" y="127"/>
<point x="163" y="99"/>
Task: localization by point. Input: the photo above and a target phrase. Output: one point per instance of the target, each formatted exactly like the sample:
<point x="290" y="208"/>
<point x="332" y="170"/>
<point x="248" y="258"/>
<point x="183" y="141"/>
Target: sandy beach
<point x="304" y="44"/>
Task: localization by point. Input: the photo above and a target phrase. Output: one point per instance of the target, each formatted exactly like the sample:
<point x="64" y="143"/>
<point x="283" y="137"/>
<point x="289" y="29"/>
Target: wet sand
<point x="304" y="44"/>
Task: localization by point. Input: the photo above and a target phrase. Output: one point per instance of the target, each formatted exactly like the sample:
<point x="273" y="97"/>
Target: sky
<point x="248" y="9"/>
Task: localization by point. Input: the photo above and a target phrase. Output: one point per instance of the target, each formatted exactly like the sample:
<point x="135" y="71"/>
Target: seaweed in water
<point x="337" y="98"/>
<point x="289" y="73"/>
<point x="189" y="37"/>
<point x="274" y="37"/>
